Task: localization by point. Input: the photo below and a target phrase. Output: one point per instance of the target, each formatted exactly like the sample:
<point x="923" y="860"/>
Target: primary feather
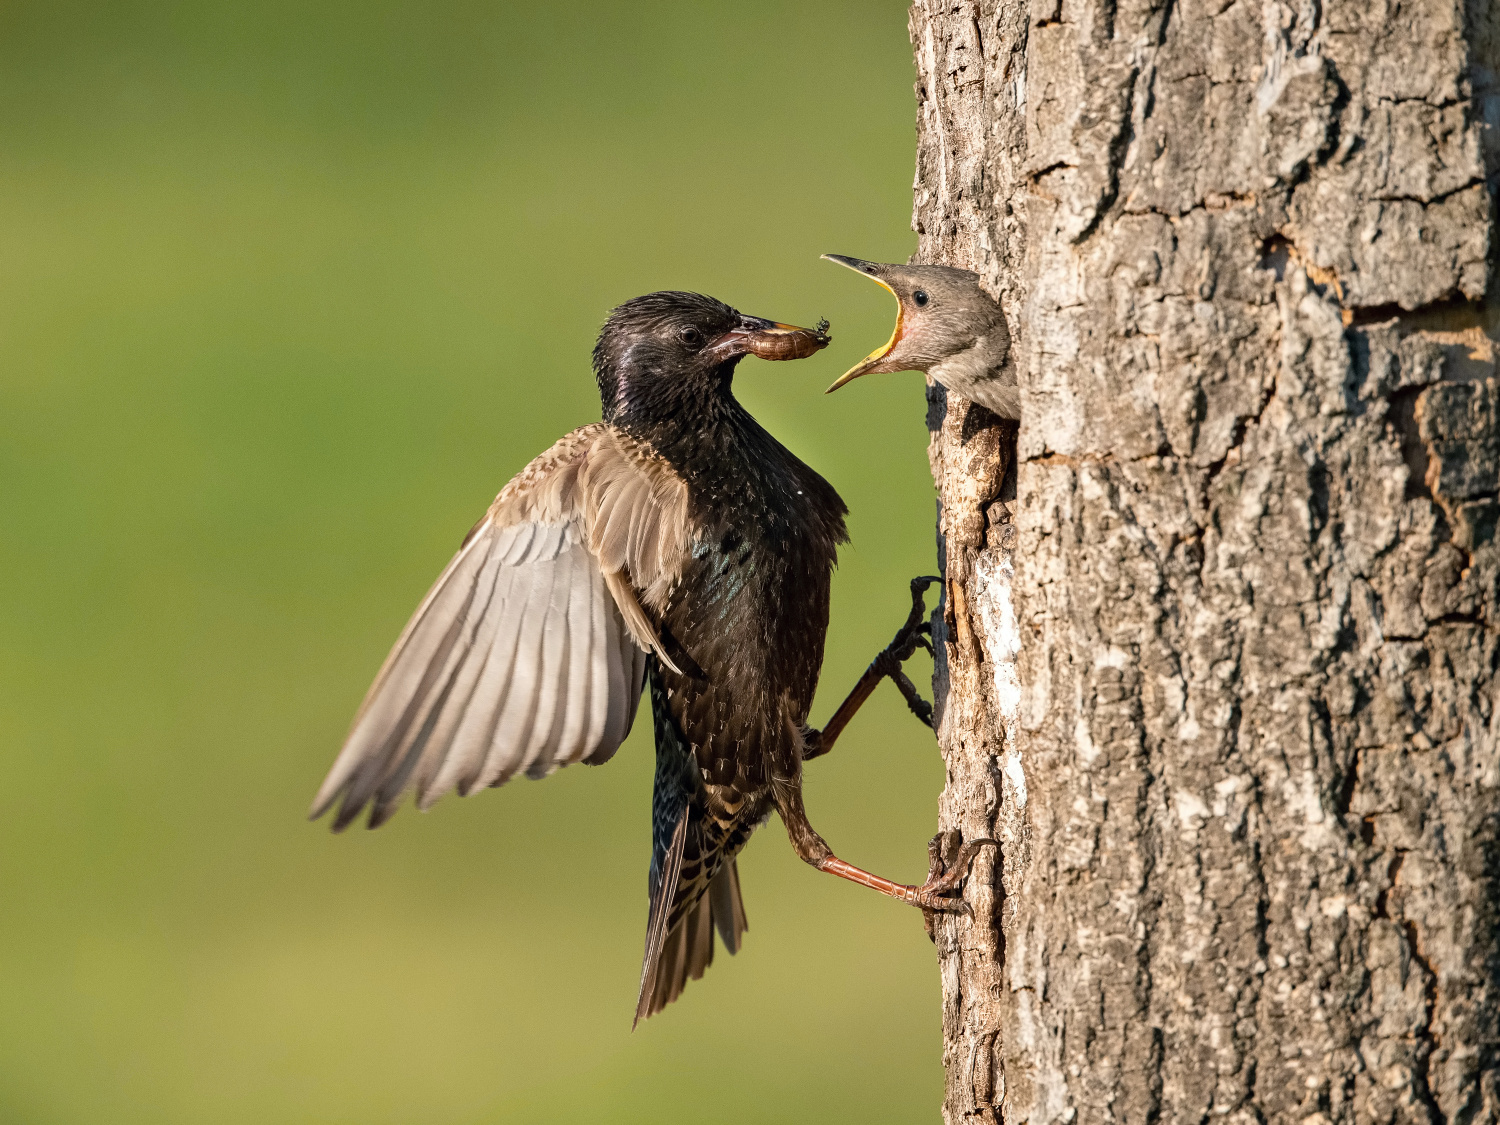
<point x="529" y="651"/>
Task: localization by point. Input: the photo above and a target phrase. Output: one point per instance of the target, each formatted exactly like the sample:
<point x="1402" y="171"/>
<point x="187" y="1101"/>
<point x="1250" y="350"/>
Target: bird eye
<point x="920" y="296"/>
<point x="691" y="336"/>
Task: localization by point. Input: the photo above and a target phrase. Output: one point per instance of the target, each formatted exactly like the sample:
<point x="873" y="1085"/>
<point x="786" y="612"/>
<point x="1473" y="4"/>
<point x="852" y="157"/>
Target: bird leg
<point x="933" y="895"/>
<point x="936" y="894"/>
<point x="911" y="636"/>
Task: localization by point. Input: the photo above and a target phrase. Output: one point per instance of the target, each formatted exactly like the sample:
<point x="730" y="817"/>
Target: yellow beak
<point x="869" y="363"/>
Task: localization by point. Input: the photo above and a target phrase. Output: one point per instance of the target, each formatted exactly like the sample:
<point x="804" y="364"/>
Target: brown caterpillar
<point x="784" y="341"/>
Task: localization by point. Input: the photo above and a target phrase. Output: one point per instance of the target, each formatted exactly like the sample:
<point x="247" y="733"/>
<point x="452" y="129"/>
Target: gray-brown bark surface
<point x="1232" y="716"/>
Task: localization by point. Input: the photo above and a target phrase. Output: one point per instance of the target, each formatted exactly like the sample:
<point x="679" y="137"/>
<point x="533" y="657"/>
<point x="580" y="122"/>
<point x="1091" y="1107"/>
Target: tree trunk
<point x="1217" y="667"/>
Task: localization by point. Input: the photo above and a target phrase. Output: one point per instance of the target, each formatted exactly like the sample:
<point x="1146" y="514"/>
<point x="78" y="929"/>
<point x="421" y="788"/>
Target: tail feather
<point x="656" y="928"/>
<point x="684" y="953"/>
<point x="728" y="906"/>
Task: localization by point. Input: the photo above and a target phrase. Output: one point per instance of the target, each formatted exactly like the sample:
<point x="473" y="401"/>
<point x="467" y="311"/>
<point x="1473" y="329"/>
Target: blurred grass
<point x="290" y="290"/>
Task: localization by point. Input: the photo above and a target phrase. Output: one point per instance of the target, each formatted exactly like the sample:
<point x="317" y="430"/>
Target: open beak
<point x="871" y="362"/>
<point x="771" y="340"/>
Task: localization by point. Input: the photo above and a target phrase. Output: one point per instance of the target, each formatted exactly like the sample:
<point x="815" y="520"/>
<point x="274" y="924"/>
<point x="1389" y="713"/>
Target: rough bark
<point x="1218" y="663"/>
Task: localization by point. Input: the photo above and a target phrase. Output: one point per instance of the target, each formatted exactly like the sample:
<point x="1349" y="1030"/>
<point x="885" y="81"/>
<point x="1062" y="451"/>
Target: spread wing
<point x="528" y="652"/>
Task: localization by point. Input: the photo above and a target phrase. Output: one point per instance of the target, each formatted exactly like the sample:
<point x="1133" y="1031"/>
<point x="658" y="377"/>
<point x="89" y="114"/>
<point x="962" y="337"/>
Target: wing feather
<point x="469" y="701"/>
<point x="638" y="679"/>
<point x="473" y="650"/>
<point x="517" y="716"/>
<point x="552" y="681"/>
<point x="392" y="694"/>
<point x="600" y="677"/>
<point x="530" y="650"/>
<point x="638" y="515"/>
<point x="432" y="739"/>
<point x="385" y="753"/>
<point x="475" y="734"/>
<point x="579" y="702"/>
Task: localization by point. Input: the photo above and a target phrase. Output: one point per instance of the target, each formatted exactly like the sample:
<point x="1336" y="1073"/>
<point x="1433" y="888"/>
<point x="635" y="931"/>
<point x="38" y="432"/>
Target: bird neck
<point x="980" y="360"/>
<point x="739" y="476"/>
<point x="637" y="397"/>
<point x="717" y="447"/>
<point x="994" y="347"/>
<point x="695" y="432"/>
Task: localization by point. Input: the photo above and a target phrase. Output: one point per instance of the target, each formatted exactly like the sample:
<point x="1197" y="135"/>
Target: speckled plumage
<point x="676" y="540"/>
<point x="751" y="610"/>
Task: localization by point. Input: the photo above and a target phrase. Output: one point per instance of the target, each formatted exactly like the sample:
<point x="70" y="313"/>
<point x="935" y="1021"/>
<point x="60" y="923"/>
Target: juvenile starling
<point x="947" y="326"/>
<point x="675" y="541"/>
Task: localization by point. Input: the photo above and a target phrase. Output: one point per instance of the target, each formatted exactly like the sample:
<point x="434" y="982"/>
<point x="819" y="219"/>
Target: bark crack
<point x="1431" y="200"/>
<point x="1427" y="1039"/>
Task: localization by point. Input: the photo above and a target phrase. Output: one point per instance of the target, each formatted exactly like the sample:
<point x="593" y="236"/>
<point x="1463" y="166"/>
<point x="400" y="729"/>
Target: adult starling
<point x="947" y="326"/>
<point x="675" y="541"/>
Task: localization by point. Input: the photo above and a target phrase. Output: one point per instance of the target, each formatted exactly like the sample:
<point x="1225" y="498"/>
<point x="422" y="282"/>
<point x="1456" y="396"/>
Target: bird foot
<point x="933" y="895"/>
<point x="942" y="879"/>
<point x="914" y="634"/>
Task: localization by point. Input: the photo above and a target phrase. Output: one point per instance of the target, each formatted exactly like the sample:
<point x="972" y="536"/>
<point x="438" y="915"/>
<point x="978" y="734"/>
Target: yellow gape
<point x="868" y="364"/>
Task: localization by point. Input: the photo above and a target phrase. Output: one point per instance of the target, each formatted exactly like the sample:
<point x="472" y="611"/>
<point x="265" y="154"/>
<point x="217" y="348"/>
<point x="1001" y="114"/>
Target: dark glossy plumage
<point x="677" y="527"/>
<point x="750" y="611"/>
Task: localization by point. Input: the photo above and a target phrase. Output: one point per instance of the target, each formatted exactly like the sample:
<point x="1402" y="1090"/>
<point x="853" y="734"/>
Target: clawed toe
<point x="937" y="894"/>
<point x="934" y="857"/>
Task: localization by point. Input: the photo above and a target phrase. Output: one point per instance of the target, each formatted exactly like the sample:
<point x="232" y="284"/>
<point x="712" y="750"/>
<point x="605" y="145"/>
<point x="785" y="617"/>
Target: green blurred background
<point x="289" y="291"/>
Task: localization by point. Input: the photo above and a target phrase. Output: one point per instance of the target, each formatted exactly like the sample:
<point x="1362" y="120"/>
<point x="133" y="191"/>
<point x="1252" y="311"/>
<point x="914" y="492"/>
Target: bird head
<point x="940" y="311"/>
<point x="658" y="349"/>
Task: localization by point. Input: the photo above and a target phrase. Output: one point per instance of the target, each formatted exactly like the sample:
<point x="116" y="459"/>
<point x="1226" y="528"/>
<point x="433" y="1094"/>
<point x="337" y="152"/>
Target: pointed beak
<point x="871" y="362"/>
<point x="770" y="339"/>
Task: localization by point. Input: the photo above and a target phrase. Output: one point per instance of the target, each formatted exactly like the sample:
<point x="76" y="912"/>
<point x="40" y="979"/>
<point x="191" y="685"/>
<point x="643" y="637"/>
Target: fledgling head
<point x="658" y="350"/>
<point x="941" y="311"/>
